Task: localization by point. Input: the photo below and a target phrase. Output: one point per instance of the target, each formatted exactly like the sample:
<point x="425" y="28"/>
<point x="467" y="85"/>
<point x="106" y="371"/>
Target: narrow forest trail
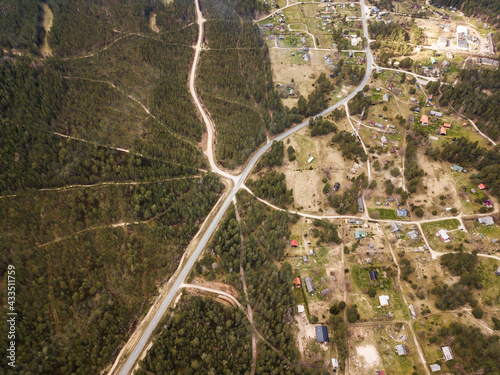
<point x="209" y="152"/>
<point x="245" y="289"/>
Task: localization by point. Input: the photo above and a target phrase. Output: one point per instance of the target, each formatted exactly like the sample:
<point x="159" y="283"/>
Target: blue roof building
<point x="322" y="334"/>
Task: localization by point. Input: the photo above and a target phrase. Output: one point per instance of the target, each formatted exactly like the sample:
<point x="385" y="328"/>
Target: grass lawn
<point x="307" y="149"/>
<point x="385" y="213"/>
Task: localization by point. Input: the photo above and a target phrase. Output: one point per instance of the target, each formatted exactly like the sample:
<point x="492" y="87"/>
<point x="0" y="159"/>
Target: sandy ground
<point x="438" y="182"/>
<point x="305" y="333"/>
<point x="48" y="18"/>
<point x="284" y="71"/>
<point x="368" y="354"/>
<point x="152" y="23"/>
<point x="328" y="162"/>
<point x="216" y="285"/>
<point x="363" y="355"/>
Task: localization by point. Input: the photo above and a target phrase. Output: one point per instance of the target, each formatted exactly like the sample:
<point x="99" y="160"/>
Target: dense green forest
<point x="476" y="95"/>
<point x="464" y="265"/>
<point x="266" y="234"/>
<point x="89" y="258"/>
<point x="202" y="337"/>
<point x="20" y="24"/>
<point x="272" y="186"/>
<point x="488" y="9"/>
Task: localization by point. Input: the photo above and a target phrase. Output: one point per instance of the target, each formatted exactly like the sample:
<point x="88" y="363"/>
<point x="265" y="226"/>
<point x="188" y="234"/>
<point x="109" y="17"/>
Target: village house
<point x="310" y="285"/>
<point x="448" y="355"/>
<point x="294" y="243"/>
<point x="442" y="131"/>
<point x="359" y="234"/>
<point x="402" y="212"/>
<point x="486" y="220"/>
<point x="361" y="208"/>
<point x="413" y="235"/>
<point x="424" y="120"/>
<point x="297" y="282"/>
<point x="443" y="234"/>
<point x="400" y="349"/>
<point x="373" y="275"/>
<point x="322" y="334"/>
<point x="394" y="227"/>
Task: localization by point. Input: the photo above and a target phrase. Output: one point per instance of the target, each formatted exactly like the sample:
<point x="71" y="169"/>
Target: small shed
<point x="435" y="367"/>
<point x="335" y="363"/>
<point x="457" y="168"/>
<point x="304" y="258"/>
<point x="301" y="308"/>
<point x="386" y="97"/>
<point x="373" y="275"/>
<point x="325" y="292"/>
<point x="322" y="334"/>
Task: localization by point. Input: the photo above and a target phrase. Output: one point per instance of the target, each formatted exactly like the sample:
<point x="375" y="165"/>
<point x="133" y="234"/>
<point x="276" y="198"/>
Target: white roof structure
<point x="487" y="220"/>
<point x="301" y="308"/>
<point x="311" y="158"/>
<point x="400" y="349"/>
<point x="462" y="29"/>
<point x="335" y="363"/>
<point x="448" y="355"/>
<point x="435" y="367"/>
<point x="443" y="233"/>
<point x="384" y="300"/>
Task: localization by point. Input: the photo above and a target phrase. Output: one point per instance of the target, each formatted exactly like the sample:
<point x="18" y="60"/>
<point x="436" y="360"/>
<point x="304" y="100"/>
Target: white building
<point x="443" y="42"/>
<point x="443" y="233"/>
<point x="300" y="308"/>
<point x="448" y="355"/>
<point x="384" y="300"/>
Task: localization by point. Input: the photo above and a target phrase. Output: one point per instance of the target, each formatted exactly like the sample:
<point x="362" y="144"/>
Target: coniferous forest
<point x="99" y="166"/>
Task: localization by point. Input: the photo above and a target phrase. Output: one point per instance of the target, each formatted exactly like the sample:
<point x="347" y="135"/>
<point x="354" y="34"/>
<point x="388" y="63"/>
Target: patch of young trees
<point x="272" y="186"/>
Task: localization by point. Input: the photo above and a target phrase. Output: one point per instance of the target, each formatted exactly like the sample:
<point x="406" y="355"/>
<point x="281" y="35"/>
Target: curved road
<point x="238" y="183"/>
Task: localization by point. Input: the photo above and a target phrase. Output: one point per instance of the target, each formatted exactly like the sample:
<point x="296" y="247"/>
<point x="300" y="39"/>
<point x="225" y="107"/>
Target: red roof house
<point x="294" y="243"/>
<point x="297" y="282"/>
<point x="481" y="186"/>
<point x="442" y="131"/>
<point x="447" y="126"/>
<point x="424" y="120"/>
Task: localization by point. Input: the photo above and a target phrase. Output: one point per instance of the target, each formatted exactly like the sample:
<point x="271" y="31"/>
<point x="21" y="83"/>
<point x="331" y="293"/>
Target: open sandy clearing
<point x="48" y="18"/>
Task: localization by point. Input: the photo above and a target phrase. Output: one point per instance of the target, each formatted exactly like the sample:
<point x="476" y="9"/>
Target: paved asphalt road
<point x="129" y="365"/>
